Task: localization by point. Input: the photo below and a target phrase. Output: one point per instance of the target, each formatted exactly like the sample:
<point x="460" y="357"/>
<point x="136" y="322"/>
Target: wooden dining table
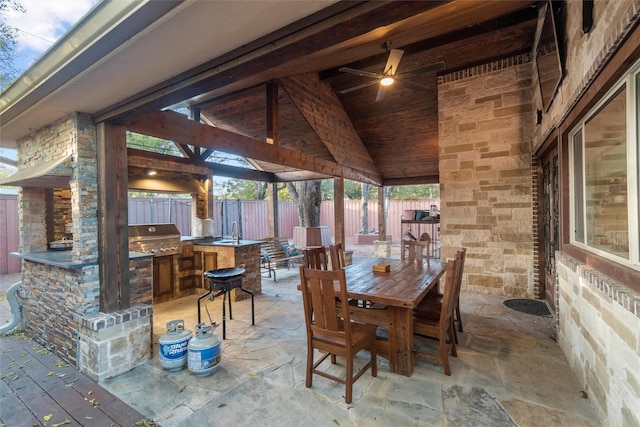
<point x="391" y="298"/>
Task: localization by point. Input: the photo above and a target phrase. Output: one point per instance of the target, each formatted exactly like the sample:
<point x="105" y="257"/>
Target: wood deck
<point x="37" y="388"/>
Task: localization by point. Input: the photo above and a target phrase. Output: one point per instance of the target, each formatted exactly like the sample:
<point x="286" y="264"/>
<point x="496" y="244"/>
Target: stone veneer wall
<point x="230" y="256"/>
<point x="51" y="297"/>
<point x="598" y="319"/>
<point x="599" y="333"/>
<point x="61" y="306"/>
<point x="485" y="126"/>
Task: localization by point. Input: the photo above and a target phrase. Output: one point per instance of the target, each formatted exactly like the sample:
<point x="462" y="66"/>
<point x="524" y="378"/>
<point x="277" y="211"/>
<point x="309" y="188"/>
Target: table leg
<point x="401" y="340"/>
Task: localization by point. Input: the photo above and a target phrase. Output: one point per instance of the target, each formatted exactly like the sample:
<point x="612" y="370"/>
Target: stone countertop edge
<point x="227" y="244"/>
<point x="64" y="259"/>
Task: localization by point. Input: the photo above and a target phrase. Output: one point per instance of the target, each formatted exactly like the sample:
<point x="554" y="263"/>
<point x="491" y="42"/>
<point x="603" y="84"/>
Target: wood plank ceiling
<point x="291" y="96"/>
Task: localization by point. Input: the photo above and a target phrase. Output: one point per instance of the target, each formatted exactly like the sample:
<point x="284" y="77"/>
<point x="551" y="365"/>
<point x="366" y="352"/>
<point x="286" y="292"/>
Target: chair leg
<point x="374" y="361"/>
<point x="453" y="329"/>
<point x="458" y="317"/>
<point x="444" y="352"/>
<point x="452" y="332"/>
<point x="309" y="380"/>
<point x="349" y="379"/>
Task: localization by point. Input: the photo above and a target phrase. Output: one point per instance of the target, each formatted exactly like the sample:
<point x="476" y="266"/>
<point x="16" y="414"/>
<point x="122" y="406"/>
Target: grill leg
<point x="224" y="316"/>
<point x="253" y="320"/>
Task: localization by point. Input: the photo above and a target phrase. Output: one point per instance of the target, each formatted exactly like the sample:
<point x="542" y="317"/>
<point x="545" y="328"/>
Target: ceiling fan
<point x="389" y="76"/>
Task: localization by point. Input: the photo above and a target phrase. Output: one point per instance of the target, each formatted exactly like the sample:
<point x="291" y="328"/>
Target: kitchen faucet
<point x="235" y="234"/>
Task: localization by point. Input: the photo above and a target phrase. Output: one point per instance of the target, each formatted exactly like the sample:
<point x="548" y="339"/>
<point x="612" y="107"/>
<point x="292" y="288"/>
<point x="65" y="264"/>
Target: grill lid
<point x="149" y="231"/>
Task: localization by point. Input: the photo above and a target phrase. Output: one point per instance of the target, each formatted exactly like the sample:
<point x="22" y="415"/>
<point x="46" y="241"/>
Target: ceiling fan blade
<point x="359" y="72"/>
<point x="411" y="85"/>
<point x="382" y="92"/>
<point x="351" y="89"/>
<point x="436" y="66"/>
<point x="393" y="60"/>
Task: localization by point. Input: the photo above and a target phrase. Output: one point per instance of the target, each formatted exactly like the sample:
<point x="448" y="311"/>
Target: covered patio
<point x="267" y="81"/>
<point x="495" y="379"/>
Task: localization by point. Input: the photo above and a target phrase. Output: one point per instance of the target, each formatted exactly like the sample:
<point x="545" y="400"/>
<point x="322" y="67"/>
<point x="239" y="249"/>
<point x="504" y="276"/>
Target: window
<point x="604" y="156"/>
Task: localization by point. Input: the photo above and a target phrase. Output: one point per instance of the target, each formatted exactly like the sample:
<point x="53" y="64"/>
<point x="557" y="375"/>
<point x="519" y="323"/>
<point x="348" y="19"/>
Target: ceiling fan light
<point x="386" y="81"/>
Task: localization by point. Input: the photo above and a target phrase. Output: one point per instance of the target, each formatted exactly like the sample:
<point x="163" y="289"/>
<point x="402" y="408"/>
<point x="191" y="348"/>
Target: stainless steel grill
<point x="154" y="238"/>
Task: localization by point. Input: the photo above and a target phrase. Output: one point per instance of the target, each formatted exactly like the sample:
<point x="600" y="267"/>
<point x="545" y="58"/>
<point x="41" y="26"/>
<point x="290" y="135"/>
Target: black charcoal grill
<point x="222" y="281"/>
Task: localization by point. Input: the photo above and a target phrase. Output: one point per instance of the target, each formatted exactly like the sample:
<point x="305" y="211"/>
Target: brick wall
<point x="598" y="319"/>
<point x="485" y="122"/>
<point x="599" y="332"/>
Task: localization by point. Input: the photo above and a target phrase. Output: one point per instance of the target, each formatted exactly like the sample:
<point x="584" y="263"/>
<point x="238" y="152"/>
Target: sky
<point x="42" y="23"/>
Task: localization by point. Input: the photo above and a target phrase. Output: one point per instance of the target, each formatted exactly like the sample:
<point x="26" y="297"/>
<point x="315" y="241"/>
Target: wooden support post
<point x="338" y="211"/>
<point x="272" y="210"/>
<point x="382" y="226"/>
<point x="272" y="138"/>
<point x="113" y="218"/>
<point x="272" y="113"/>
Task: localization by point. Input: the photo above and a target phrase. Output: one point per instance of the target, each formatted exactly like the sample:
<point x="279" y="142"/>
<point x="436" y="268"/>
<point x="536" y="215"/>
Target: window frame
<point x="632" y="92"/>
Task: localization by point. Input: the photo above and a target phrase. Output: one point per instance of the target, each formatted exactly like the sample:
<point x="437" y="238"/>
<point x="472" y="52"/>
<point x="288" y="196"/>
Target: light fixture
<point x="152" y="172"/>
<point x="386" y="81"/>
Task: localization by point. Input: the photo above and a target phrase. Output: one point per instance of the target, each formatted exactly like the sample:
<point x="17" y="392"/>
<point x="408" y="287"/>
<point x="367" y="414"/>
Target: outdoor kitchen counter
<point x="230" y="253"/>
<point x="228" y="243"/>
<point x="64" y="259"/>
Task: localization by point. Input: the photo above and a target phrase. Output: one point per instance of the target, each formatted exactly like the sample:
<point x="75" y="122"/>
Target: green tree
<point x="150" y="143"/>
<point x="8" y="41"/>
<point x="417" y="192"/>
<point x="307" y="196"/>
<point x="244" y="189"/>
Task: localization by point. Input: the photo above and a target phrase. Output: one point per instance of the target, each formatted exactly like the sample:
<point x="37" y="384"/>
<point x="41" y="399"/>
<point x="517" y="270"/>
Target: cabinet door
<point x="162" y="278"/>
<point x="210" y="261"/>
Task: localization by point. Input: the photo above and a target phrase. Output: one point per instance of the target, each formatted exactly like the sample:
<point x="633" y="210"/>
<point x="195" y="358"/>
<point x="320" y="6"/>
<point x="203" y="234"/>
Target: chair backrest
<point x="336" y="254"/>
<point x="449" y="295"/>
<point x="321" y="312"/>
<point x="316" y="258"/>
<point x="460" y="257"/>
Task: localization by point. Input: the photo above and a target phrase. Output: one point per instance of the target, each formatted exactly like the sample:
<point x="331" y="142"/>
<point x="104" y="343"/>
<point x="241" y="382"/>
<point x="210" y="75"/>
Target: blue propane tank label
<point x="200" y="360"/>
<point x="175" y="350"/>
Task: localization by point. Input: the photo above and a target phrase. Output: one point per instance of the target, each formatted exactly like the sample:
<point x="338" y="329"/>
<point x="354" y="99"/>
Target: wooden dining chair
<point x="434" y="298"/>
<point x="330" y="329"/>
<point x="336" y="254"/>
<point x="316" y="258"/>
<point x="438" y="324"/>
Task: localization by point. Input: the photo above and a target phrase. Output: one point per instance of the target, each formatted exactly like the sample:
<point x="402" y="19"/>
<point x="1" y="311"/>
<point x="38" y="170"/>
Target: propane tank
<point x="205" y="350"/>
<point x="173" y="346"/>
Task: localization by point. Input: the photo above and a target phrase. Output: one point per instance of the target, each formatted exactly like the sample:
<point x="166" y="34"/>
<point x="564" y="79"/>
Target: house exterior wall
<point x="485" y="126"/>
<point x="487" y="139"/>
<point x="599" y="333"/>
<point x="598" y="318"/>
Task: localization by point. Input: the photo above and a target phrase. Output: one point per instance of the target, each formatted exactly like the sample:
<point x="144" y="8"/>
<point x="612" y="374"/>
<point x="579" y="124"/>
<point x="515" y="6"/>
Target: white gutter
<point x="104" y="28"/>
<point x="16" y="309"/>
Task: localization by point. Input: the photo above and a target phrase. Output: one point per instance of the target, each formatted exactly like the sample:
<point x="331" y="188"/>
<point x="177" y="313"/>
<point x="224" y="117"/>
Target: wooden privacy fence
<point x="8" y="233"/>
<point x="252" y="215"/>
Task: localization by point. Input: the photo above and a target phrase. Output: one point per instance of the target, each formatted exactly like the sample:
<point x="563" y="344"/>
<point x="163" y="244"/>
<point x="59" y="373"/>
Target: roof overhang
<point x="49" y="174"/>
<point x="117" y="42"/>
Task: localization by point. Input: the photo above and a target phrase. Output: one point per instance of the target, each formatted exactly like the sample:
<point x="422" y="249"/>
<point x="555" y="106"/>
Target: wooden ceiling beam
<point x="414" y="180"/>
<point x="176" y="127"/>
<point x="325" y="114"/>
<point x="218" y="169"/>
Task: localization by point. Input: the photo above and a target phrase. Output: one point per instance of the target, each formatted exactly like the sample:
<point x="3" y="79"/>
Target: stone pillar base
<point x="111" y="344"/>
<point x="382" y="248"/>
